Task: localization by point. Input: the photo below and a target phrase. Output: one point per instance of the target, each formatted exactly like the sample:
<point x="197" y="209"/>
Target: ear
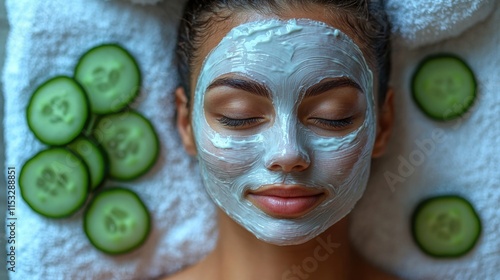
<point x="184" y="121"/>
<point x="384" y="125"/>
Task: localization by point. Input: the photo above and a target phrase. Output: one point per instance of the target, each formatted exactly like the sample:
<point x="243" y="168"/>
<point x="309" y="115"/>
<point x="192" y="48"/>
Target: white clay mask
<point x="286" y="58"/>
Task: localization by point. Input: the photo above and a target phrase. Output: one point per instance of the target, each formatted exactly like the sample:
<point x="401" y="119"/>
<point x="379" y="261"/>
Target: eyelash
<point x="338" y="124"/>
<point x="237" y="122"/>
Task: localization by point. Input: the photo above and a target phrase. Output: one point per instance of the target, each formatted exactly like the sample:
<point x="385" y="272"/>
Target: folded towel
<point x="44" y="43"/>
<point x="464" y="160"/>
<point x="421" y="22"/>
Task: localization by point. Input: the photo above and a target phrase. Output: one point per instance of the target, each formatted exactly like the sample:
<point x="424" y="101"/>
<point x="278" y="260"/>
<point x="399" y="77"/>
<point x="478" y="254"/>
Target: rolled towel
<point x="427" y="158"/>
<point x="421" y="22"/>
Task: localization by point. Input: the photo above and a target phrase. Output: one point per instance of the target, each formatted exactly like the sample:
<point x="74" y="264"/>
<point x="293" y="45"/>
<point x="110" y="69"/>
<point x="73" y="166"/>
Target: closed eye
<point x="239" y="123"/>
<point x="333" y="124"/>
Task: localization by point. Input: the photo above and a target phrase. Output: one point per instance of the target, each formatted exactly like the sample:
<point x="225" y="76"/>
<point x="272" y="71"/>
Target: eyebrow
<point x="245" y="85"/>
<point x="323" y="87"/>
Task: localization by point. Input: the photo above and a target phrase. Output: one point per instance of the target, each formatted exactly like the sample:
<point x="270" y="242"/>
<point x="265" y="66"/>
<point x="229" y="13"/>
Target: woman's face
<point x="284" y="123"/>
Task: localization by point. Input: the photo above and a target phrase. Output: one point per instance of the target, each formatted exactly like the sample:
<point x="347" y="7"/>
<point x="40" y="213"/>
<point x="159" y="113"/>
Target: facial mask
<point x="287" y="57"/>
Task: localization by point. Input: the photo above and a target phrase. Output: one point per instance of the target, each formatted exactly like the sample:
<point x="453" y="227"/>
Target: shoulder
<point x="201" y="270"/>
<point x="366" y="270"/>
<point x="184" y="274"/>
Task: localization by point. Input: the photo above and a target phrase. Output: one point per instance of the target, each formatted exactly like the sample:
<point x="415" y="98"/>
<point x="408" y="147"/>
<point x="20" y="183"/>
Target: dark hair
<point x="365" y="17"/>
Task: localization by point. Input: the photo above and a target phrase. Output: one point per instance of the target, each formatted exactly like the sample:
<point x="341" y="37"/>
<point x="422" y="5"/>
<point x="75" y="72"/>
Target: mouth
<point x="286" y="201"/>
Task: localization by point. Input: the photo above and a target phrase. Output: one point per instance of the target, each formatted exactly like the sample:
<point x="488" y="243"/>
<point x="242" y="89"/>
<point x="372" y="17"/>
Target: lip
<point x="285" y="201"/>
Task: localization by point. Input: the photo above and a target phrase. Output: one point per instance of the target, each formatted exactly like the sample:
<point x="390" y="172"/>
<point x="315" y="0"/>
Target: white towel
<point x="466" y="163"/>
<point x="46" y="39"/>
<point x="43" y="43"/>
<point x="421" y="22"/>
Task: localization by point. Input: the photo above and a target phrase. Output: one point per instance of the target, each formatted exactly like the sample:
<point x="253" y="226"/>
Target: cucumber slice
<point x="110" y="76"/>
<point x="116" y="221"/>
<point x="444" y="87"/>
<point x="58" y="111"/>
<point x="94" y="157"/>
<point x="130" y="141"/>
<point x="54" y="183"/>
<point x="445" y="226"/>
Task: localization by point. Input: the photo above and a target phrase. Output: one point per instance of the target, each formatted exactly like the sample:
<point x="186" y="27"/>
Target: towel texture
<point x="421" y="22"/>
<point x="433" y="158"/>
<point x="43" y="44"/>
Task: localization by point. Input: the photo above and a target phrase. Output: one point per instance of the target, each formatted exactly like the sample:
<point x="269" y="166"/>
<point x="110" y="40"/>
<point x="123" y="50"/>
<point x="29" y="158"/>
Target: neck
<point x="239" y="255"/>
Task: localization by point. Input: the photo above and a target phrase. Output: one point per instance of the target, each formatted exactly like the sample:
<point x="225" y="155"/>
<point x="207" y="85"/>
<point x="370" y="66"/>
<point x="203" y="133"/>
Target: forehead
<point x="219" y="29"/>
<point x="277" y="51"/>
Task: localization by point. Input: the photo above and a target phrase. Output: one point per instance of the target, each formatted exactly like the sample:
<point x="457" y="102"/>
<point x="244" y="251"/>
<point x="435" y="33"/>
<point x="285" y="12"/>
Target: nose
<point x="289" y="163"/>
<point x="287" y="156"/>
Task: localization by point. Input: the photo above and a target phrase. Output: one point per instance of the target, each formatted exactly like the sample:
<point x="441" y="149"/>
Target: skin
<point x="238" y="254"/>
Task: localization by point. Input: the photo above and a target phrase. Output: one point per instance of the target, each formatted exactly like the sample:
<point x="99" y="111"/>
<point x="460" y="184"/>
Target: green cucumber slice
<point x="116" y="221"/>
<point x="54" y="183"/>
<point x="110" y="76"/>
<point x="444" y="86"/>
<point x="58" y="111"/>
<point x="445" y="226"/>
<point x="95" y="158"/>
<point x="130" y="141"/>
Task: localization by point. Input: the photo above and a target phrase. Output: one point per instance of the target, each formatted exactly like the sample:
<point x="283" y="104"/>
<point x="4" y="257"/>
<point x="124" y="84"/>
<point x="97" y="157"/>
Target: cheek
<point x="226" y="163"/>
<point x="339" y="166"/>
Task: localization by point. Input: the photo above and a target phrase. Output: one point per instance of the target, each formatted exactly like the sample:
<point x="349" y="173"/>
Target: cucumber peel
<point x="64" y="113"/>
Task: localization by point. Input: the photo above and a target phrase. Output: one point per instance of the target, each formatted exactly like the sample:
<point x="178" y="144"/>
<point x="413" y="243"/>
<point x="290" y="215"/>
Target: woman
<point x="284" y="103"/>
